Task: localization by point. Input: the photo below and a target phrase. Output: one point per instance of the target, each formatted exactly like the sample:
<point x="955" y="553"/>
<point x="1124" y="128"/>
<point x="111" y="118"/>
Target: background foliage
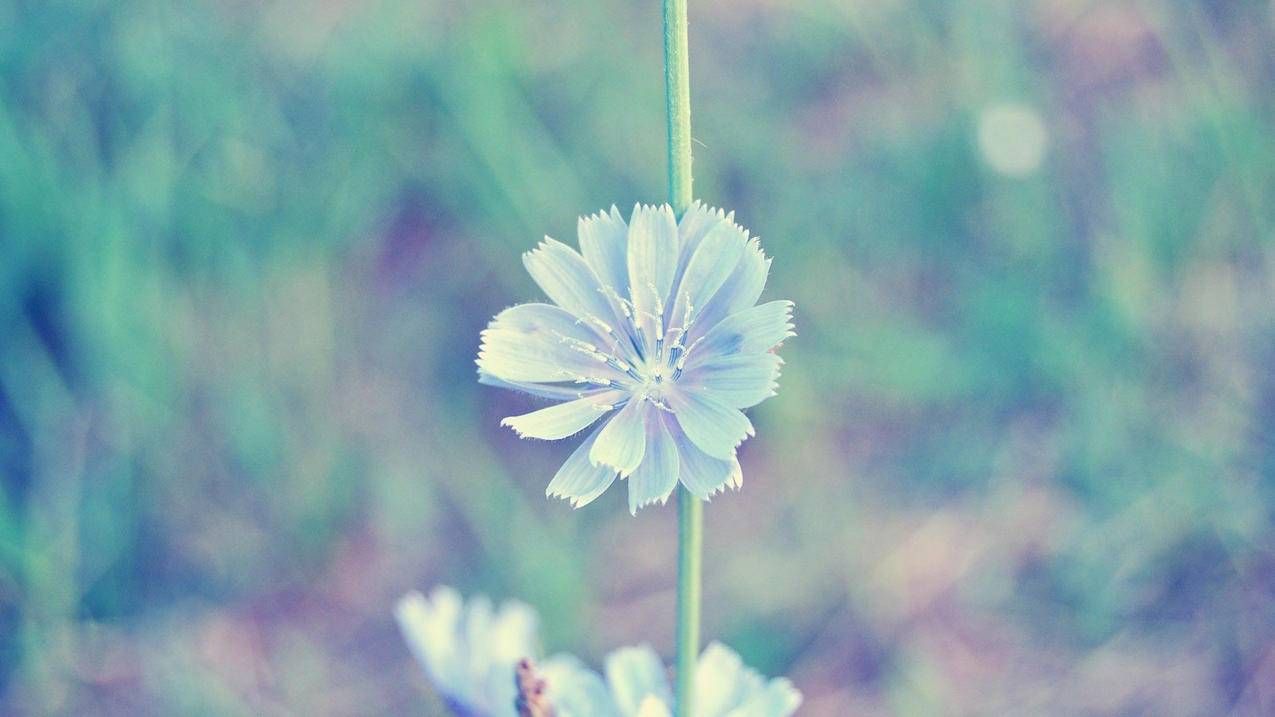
<point x="1022" y="460"/>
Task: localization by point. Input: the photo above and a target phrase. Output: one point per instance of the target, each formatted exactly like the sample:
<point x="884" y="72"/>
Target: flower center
<point x="654" y="373"/>
<point x="651" y="354"/>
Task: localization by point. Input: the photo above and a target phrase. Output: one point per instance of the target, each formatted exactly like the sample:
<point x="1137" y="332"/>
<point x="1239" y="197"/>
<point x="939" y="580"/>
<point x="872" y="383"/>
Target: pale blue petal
<point x="740" y="291"/>
<point x="652" y="257"/>
<point x="717" y="429"/>
<point x="750" y="275"/>
<point x="604" y="243"/>
<point x="546" y="318"/>
<point x="778" y="698"/>
<point x="530" y="358"/>
<point x="703" y="475"/>
<point x="691" y="229"/>
<point x="574" y="690"/>
<point x="751" y="331"/>
<point x="540" y="343"/>
<point x="469" y="650"/>
<point x="726" y="687"/>
<point x="568" y="281"/>
<point x="622" y="442"/>
<point x="431" y="630"/>
<point x="498" y="640"/>
<point x="656" y="477"/>
<point x="578" y="480"/>
<point x="555" y="392"/>
<point x="564" y="419"/>
<point x="653" y="707"/>
<point x="635" y="673"/>
<point x="719" y="686"/>
<point x="710" y="266"/>
<point x="514" y="633"/>
<point x="740" y="381"/>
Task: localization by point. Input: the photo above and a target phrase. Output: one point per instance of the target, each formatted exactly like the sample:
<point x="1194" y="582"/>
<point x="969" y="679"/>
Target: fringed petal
<point x="579" y="480"/>
<point x="634" y="674"/>
<point x="622" y="442"/>
<point x="740" y="381"/>
<point x="655" y="479"/>
<point x="564" y="419"/>
<point x="714" y="427"/>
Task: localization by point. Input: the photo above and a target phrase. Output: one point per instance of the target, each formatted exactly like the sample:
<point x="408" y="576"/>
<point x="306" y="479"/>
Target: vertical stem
<point x="690" y="542"/>
<point x="690" y="510"/>
<point x="677" y="94"/>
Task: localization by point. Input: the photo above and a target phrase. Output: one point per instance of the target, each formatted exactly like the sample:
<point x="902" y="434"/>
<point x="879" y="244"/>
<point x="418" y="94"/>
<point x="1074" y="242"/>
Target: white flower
<point x="469" y="651"/>
<point x="637" y="685"/>
<point x="654" y="333"/>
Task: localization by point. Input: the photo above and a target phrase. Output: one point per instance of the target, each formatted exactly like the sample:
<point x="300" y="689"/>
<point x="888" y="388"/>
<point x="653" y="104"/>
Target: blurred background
<point x="1022" y="459"/>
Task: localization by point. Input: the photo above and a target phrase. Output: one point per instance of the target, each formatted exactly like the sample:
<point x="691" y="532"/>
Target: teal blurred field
<point x="1022" y="460"/>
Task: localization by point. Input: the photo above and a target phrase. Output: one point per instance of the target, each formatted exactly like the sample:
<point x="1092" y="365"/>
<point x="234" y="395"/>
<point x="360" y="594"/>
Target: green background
<point x="1022" y="458"/>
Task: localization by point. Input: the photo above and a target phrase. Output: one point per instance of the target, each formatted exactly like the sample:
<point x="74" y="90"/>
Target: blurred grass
<point x="1021" y="461"/>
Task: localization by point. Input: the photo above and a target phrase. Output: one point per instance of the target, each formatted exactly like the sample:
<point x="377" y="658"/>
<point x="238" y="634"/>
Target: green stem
<point x="677" y="94"/>
<point x="690" y="510"/>
<point x="690" y="544"/>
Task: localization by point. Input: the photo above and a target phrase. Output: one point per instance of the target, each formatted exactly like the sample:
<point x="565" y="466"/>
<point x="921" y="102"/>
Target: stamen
<point x="590" y="352"/>
<point x="655" y="294"/>
<point x="576" y="343"/>
<point x="602" y="325"/>
<point x="659" y="404"/>
<point x="681" y="362"/>
<point x="684" y="328"/>
<point x="614" y="295"/>
<point x="582" y="379"/>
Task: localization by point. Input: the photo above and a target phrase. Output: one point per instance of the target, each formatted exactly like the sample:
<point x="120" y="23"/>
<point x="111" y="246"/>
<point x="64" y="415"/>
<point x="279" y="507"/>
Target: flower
<point x="469" y="651"/>
<point x="477" y="658"/>
<point x="637" y="685"/>
<point x="653" y="326"/>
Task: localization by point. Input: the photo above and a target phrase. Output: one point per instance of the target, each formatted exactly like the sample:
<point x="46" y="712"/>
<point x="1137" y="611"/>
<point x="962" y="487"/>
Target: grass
<point x="1020" y="462"/>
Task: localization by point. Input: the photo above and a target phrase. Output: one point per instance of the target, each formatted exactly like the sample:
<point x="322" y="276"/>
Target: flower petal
<point x="652" y="257"/>
<point x="656" y="477"/>
<point x="653" y="707"/>
<point x="574" y="690"/>
<point x="778" y="698"/>
<point x="717" y="429"/>
<point x="709" y="267"/>
<point x="568" y="281"/>
<point x="430" y="628"/>
<point x="513" y="633"/>
<point x="541" y="343"/>
<point x="691" y="229"/>
<point x="564" y="419"/>
<point x="719" y="681"/>
<point x="579" y="480"/>
<point x="739" y="381"/>
<point x="604" y="243"/>
<point x="556" y="392"/>
<point x="703" y="475"/>
<point x="740" y="291"/>
<point x="621" y="443"/>
<point x="751" y="331"/>
<point x="634" y="674"/>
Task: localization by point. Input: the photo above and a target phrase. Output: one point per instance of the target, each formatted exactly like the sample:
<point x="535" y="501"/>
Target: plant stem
<point x="690" y="544"/>
<point x="690" y="510"/>
<point x="677" y="94"/>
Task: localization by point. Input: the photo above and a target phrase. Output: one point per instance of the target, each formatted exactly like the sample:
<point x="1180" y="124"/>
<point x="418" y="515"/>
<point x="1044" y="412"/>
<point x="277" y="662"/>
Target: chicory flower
<point x="469" y="651"/>
<point x="655" y="335"/>
<point x="636" y="685"/>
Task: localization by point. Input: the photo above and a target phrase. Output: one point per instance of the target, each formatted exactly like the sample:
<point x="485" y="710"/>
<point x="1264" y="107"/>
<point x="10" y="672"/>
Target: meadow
<point x="1022" y="458"/>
